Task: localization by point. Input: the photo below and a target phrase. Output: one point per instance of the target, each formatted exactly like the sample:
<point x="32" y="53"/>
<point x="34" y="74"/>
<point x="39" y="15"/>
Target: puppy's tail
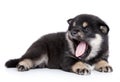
<point x="12" y="63"/>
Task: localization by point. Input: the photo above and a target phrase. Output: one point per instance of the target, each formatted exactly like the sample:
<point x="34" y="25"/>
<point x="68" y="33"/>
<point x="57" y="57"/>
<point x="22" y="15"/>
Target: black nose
<point x="73" y="33"/>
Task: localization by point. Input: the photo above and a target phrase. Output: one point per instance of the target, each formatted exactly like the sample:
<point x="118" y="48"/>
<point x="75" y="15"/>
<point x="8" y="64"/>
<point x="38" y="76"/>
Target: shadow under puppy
<point x="83" y="45"/>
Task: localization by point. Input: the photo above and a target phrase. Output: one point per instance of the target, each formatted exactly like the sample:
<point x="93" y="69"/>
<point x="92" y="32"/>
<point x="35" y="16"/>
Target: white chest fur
<point x="95" y="46"/>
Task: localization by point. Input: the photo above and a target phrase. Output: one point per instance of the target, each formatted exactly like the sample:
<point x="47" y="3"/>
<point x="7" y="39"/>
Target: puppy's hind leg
<point x="34" y="56"/>
<point x="25" y="65"/>
<point x="41" y="62"/>
<point x="28" y="63"/>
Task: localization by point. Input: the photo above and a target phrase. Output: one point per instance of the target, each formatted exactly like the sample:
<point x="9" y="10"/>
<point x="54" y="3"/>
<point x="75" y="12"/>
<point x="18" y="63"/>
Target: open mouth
<point x="81" y="49"/>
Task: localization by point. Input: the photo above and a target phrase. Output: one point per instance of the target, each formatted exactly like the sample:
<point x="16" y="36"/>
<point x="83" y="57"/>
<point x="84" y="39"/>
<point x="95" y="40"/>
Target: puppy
<point x="84" y="44"/>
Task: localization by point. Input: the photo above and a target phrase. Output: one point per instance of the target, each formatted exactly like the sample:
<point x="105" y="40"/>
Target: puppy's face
<point x="86" y="27"/>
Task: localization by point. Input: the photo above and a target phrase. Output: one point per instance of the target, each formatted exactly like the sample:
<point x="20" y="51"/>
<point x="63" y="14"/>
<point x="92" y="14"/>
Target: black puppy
<point x="85" y="44"/>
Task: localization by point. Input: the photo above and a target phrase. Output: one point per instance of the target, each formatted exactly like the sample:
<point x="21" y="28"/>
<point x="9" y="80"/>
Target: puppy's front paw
<point x="105" y="69"/>
<point x="81" y="68"/>
<point x="25" y="65"/>
<point x="103" y="66"/>
<point x="83" y="71"/>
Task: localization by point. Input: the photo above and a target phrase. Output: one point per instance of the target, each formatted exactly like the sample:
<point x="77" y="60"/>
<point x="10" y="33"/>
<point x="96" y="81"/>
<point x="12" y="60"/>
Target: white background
<point x="24" y="21"/>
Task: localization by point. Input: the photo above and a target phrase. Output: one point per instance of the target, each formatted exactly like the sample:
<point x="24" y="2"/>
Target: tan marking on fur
<point x="79" y="65"/>
<point x="74" y="23"/>
<point x="103" y="29"/>
<point x="71" y="46"/>
<point x="85" y="24"/>
<point x="100" y="64"/>
<point x="43" y="59"/>
<point x="81" y="34"/>
<point x="26" y="63"/>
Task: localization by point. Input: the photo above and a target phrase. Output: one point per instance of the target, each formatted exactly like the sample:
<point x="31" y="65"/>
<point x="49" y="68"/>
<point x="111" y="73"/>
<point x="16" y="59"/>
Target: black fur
<point x="57" y="48"/>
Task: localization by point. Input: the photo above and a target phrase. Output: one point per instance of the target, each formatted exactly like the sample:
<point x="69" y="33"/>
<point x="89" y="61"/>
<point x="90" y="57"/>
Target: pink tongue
<point x="80" y="50"/>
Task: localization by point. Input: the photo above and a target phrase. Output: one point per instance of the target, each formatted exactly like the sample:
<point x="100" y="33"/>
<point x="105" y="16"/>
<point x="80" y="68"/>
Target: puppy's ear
<point x="69" y="21"/>
<point x="104" y="29"/>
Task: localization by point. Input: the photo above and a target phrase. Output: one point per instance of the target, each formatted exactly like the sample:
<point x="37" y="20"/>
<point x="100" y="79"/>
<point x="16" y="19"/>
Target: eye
<point x="86" y="29"/>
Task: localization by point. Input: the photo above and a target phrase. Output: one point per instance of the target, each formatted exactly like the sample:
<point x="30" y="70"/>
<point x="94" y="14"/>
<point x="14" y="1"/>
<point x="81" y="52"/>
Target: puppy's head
<point x="87" y="32"/>
<point x="85" y="27"/>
